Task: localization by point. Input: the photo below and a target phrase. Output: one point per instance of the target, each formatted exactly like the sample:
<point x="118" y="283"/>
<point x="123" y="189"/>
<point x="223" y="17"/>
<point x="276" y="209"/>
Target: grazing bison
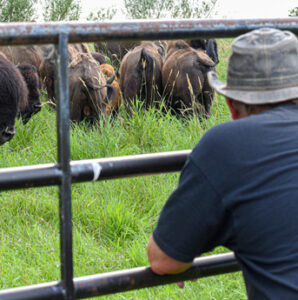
<point x="111" y="77"/>
<point x="140" y="73"/>
<point x="87" y="85"/>
<point x="184" y="77"/>
<point x="13" y="98"/>
<point x="33" y="84"/>
<point x="28" y="60"/>
<point x="210" y="46"/>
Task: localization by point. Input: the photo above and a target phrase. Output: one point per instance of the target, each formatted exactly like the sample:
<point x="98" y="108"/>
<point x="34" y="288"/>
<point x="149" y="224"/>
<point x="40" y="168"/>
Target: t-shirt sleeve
<point x="192" y="219"/>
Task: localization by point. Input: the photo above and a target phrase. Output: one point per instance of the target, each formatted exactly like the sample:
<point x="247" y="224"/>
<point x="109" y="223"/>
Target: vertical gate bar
<point x="62" y="93"/>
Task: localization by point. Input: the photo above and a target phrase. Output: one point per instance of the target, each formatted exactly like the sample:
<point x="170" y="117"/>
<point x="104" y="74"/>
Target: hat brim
<point x="252" y="97"/>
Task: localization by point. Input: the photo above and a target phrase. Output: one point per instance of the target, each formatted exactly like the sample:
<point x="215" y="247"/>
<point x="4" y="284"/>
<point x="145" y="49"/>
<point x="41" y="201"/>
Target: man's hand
<point x="181" y="283"/>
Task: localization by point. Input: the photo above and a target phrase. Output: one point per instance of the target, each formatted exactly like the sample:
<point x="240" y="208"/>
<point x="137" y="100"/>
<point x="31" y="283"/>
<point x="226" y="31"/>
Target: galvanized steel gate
<point x="65" y="172"/>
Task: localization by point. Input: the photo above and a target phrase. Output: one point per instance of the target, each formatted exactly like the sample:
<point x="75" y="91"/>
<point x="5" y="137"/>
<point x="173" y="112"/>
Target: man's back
<point x="252" y="165"/>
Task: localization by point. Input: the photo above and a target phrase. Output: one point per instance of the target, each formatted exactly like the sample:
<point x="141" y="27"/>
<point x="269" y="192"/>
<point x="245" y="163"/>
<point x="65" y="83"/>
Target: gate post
<point x="62" y="94"/>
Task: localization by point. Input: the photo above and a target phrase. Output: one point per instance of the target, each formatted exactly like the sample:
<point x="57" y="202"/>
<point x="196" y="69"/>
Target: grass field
<point x="112" y="220"/>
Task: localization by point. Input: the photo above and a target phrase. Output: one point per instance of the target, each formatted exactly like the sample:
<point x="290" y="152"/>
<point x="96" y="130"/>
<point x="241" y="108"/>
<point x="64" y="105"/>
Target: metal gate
<point x="66" y="172"/>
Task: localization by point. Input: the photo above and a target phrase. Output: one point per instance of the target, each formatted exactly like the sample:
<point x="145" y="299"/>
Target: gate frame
<point x="66" y="172"/>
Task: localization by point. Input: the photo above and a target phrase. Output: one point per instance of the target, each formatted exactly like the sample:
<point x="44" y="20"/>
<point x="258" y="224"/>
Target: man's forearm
<point x="161" y="263"/>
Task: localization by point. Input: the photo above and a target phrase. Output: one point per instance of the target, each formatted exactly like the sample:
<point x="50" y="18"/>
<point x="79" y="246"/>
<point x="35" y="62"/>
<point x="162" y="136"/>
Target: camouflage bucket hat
<point x="263" y="68"/>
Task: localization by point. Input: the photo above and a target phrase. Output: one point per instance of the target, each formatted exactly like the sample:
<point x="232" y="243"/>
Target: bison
<point x="13" y="98"/>
<point x="88" y="88"/>
<point x="33" y="84"/>
<point x="30" y="54"/>
<point x="28" y="60"/>
<point x="140" y="73"/>
<point x="184" y="77"/>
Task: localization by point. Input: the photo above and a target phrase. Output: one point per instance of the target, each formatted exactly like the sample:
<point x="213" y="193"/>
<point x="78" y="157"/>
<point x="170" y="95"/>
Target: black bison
<point x="140" y="73"/>
<point x="184" y="77"/>
<point x="88" y="88"/>
<point x="101" y="59"/>
<point x="28" y="60"/>
<point x="13" y="98"/>
<point x="210" y="46"/>
<point x="33" y="84"/>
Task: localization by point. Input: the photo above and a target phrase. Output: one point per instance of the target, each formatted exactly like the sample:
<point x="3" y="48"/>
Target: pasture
<point x="112" y="220"/>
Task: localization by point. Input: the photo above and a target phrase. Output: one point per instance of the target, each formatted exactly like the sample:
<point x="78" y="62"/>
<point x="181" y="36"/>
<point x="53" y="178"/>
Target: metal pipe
<point x="43" y="33"/>
<point x="63" y="123"/>
<point x="46" y="291"/>
<point x="93" y="169"/>
<point x="125" y="280"/>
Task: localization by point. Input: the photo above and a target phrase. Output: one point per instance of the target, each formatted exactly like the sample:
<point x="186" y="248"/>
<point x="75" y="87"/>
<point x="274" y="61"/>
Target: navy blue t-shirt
<point x="239" y="189"/>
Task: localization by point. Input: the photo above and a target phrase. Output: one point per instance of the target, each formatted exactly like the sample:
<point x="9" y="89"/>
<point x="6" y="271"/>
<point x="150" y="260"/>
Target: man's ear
<point x="235" y="112"/>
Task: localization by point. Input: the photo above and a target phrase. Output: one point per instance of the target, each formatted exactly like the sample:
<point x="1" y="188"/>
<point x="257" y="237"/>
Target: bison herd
<point x="149" y="71"/>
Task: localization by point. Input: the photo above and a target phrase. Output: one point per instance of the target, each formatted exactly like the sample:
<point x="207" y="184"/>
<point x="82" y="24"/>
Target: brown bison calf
<point x="13" y="98"/>
<point x="111" y="77"/>
<point x="184" y="77"/>
<point x="140" y="73"/>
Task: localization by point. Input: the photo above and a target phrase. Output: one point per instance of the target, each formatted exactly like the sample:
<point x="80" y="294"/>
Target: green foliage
<point x="61" y="10"/>
<point x="293" y="12"/>
<point x="147" y="9"/>
<point x="17" y="10"/>
<point x="103" y="14"/>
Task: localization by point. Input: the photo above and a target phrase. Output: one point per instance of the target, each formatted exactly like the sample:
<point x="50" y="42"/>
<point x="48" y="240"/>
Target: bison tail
<point x="211" y="49"/>
<point x="111" y="93"/>
<point x="148" y="73"/>
<point x="110" y="80"/>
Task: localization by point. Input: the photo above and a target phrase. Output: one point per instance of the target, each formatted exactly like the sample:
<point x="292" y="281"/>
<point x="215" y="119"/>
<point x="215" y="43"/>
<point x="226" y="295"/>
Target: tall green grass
<point x="113" y="219"/>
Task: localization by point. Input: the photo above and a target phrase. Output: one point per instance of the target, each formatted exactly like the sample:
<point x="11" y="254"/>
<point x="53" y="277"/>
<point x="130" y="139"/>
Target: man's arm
<point x="161" y="263"/>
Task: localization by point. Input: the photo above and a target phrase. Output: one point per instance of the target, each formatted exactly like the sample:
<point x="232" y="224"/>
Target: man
<point x="239" y="186"/>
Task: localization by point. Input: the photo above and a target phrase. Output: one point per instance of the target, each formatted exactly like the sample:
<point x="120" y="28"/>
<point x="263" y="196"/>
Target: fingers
<point x="180" y="284"/>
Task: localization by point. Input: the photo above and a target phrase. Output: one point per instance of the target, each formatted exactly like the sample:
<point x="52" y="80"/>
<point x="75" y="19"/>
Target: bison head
<point x="88" y="91"/>
<point x="33" y="83"/>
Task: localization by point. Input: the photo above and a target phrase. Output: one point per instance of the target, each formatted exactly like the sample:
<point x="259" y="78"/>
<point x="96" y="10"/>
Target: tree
<point x="293" y="12"/>
<point x="17" y="10"/>
<point x="143" y="9"/>
<point x="61" y="10"/>
<point x="103" y="14"/>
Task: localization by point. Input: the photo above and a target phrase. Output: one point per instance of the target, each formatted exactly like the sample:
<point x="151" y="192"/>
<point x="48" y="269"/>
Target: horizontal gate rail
<point x="93" y="169"/>
<point x="43" y="33"/>
<point x="124" y="280"/>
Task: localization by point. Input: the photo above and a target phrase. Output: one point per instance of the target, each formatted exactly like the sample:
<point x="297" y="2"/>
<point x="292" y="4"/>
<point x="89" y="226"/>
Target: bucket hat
<point x="263" y="68"/>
